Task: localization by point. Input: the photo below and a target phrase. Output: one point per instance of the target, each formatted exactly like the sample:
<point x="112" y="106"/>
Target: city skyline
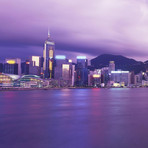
<point x="114" y="27"/>
<point x="73" y="73"/>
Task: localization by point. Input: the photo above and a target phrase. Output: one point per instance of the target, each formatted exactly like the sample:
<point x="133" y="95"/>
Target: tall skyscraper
<point x="81" y="71"/>
<point x="48" y="55"/>
<point x="60" y="60"/>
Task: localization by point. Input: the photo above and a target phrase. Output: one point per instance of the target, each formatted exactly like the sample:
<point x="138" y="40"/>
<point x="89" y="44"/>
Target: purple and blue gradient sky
<point x="89" y="27"/>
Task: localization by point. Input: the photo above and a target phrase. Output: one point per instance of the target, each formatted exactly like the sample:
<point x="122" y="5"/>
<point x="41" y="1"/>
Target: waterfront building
<point x="94" y="78"/>
<point x="144" y="83"/>
<point x="132" y="78"/>
<point x="12" y="66"/>
<point x="35" y="65"/>
<point x="64" y="71"/>
<point x="120" y="77"/>
<point x="105" y="76"/>
<point x="25" y="67"/>
<point x="81" y="71"/>
<point x="82" y="62"/>
<point x="139" y="78"/>
<point x="30" y="81"/>
<point x="7" y="80"/>
<point x="48" y="56"/>
<point x="144" y="76"/>
<point x="59" y="61"/>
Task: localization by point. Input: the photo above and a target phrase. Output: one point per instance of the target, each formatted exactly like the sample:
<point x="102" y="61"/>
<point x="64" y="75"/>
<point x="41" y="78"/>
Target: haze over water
<point x="74" y="118"/>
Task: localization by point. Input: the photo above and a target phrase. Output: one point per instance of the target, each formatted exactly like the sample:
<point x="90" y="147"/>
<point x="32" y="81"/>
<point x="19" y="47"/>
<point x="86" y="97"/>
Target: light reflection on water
<point x="74" y="118"/>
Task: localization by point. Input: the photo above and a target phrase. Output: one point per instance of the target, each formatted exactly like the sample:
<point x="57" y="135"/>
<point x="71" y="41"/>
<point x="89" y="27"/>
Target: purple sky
<point x="90" y="27"/>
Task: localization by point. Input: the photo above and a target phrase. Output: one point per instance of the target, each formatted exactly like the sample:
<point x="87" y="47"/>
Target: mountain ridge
<point x="121" y="62"/>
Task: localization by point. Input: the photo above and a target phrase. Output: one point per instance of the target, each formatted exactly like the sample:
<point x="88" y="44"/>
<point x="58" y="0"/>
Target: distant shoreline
<point x="31" y="89"/>
<point x="22" y="89"/>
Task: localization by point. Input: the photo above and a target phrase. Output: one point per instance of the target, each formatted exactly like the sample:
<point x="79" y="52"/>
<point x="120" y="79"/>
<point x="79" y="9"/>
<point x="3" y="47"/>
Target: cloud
<point x="86" y="26"/>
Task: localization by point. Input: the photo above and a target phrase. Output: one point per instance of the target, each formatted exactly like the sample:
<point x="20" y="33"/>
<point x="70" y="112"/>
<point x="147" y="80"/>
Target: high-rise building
<point x="121" y="77"/>
<point x="105" y="75"/>
<point x="35" y="65"/>
<point x="48" y="56"/>
<point x="12" y="66"/>
<point x="132" y="78"/>
<point x="82" y="62"/>
<point x="94" y="78"/>
<point x="60" y="60"/>
<point x="81" y="71"/>
<point x="64" y="71"/>
<point x="25" y="67"/>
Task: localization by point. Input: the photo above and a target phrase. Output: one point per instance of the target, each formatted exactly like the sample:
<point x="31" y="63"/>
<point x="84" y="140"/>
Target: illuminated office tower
<point x="82" y="62"/>
<point x="12" y="66"/>
<point x="60" y="60"/>
<point x="64" y="71"/>
<point x="111" y="66"/>
<point x="48" y="56"/>
<point x="68" y="70"/>
<point x="81" y="71"/>
<point x="35" y="65"/>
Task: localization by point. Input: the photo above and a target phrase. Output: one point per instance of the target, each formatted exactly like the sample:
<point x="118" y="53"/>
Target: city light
<point x="70" y="61"/>
<point x="65" y="66"/>
<point x="27" y="62"/>
<point x="36" y="60"/>
<point x="116" y="85"/>
<point x="81" y="57"/>
<point x="96" y="76"/>
<point x="111" y="62"/>
<point x="11" y="61"/>
<point x="60" y="57"/>
<point x="119" y="71"/>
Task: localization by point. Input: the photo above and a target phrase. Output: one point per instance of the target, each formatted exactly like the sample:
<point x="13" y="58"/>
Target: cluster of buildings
<point x="53" y="71"/>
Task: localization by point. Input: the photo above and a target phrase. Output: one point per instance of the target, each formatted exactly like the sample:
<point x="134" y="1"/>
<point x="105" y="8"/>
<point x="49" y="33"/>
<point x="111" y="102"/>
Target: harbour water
<point x="74" y="118"/>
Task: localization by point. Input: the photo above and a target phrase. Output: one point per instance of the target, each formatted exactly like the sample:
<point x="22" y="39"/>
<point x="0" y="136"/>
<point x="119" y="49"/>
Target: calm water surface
<point x="74" y="118"/>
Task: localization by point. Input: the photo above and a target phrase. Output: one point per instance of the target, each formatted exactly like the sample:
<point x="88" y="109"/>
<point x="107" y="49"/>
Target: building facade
<point x="120" y="77"/>
<point x="48" y="57"/>
<point x="35" y="65"/>
<point x="12" y="66"/>
<point x="81" y="72"/>
<point x="64" y="71"/>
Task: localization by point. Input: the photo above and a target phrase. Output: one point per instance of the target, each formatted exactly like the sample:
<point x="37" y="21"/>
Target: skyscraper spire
<point x="48" y="33"/>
